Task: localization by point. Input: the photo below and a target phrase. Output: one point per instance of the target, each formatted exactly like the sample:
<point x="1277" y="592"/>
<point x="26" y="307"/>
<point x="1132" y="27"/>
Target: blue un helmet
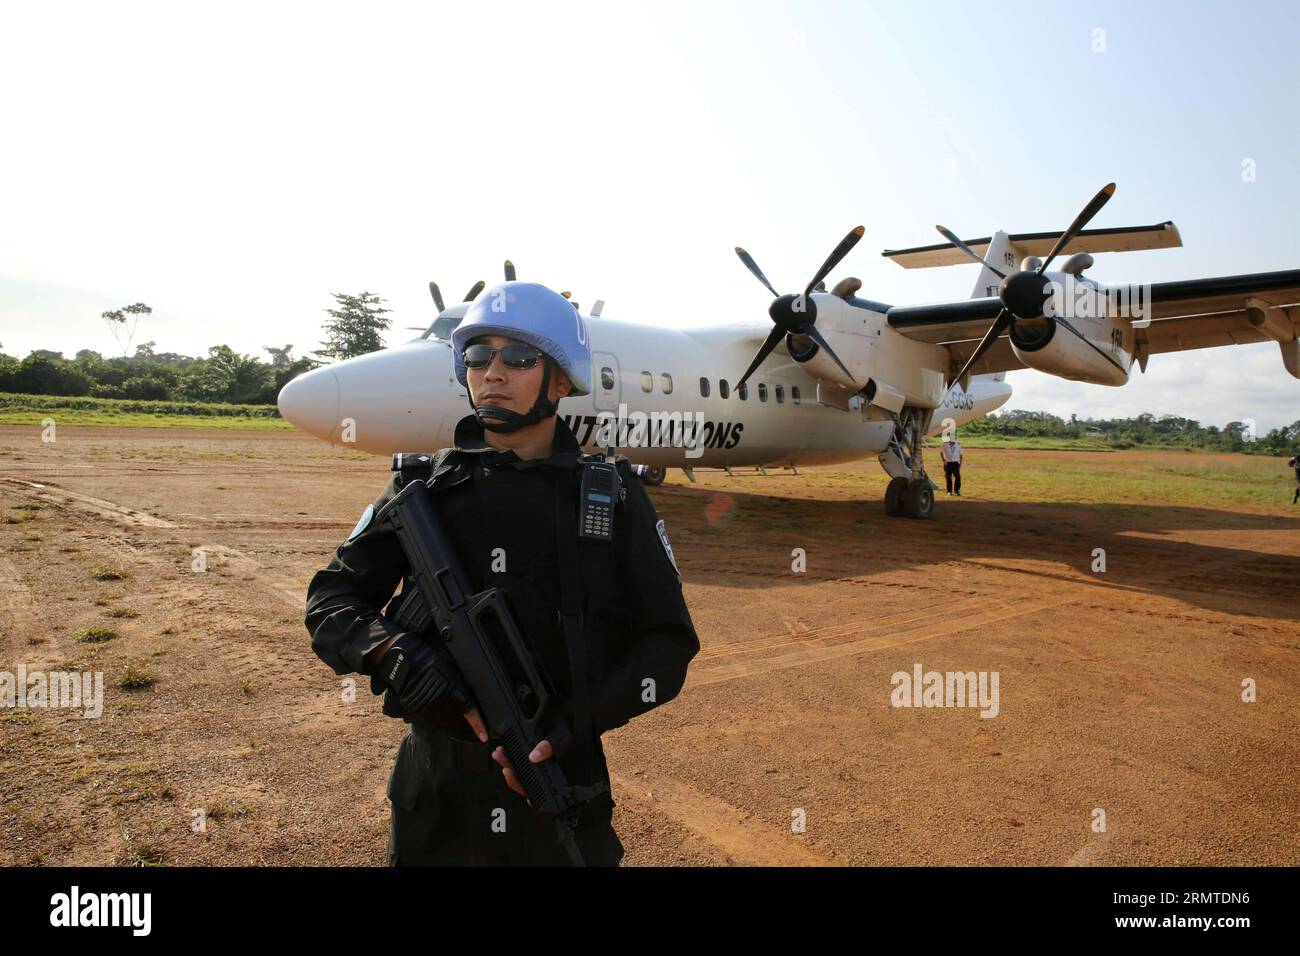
<point x="531" y="313"/>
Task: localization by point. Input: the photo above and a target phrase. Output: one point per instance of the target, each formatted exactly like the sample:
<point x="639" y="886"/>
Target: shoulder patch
<point x="668" y="548"/>
<point x="364" y="521"/>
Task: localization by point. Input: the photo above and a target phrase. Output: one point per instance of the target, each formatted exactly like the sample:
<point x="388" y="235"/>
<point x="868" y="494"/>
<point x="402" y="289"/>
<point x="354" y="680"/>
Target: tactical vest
<point x="445" y="469"/>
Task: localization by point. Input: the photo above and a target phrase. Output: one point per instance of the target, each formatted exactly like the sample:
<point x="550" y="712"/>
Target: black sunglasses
<point x="515" y="355"/>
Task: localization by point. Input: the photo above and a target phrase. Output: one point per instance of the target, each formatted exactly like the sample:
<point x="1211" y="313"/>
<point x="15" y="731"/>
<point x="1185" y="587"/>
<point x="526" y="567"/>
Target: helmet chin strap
<point x="494" y="418"/>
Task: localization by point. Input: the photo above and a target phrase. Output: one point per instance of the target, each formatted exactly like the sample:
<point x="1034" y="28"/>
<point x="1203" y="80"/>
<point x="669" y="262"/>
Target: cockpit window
<point x="446" y="323"/>
<point x="443" y="326"/>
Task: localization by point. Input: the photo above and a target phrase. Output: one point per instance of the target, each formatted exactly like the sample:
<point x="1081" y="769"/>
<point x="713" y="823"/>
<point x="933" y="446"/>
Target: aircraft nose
<point x="311" y="401"/>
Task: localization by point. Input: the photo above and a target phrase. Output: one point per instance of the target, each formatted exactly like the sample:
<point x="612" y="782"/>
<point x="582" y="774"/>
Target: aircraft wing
<point x="1231" y="310"/>
<point x="1186" y="314"/>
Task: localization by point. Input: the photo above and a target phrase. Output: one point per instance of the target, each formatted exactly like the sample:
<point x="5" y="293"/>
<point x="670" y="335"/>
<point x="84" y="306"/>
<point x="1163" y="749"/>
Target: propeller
<point x="952" y="237"/>
<point x="1024" y="293"/>
<point x="510" y="271"/>
<point x="437" y="297"/>
<point x="796" y="314"/>
<point x="472" y="294"/>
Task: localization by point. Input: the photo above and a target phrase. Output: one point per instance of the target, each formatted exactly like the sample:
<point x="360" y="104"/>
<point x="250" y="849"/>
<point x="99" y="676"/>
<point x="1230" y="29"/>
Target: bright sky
<point x="232" y="164"/>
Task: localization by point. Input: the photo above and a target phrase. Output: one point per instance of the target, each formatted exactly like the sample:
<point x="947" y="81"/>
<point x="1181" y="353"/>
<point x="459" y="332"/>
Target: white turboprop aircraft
<point x="837" y="377"/>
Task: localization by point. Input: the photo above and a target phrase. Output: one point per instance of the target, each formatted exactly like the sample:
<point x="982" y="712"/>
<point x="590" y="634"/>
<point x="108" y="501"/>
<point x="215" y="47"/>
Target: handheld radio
<point x="596" y="500"/>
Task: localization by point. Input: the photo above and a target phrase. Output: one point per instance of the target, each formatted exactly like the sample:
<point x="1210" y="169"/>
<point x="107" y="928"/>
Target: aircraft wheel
<point x="654" y="476"/>
<point x="919" y="500"/>
<point x="894" y="494"/>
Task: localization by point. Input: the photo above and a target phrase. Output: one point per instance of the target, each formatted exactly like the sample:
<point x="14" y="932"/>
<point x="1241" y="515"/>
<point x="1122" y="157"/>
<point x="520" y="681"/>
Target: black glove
<point x="421" y="675"/>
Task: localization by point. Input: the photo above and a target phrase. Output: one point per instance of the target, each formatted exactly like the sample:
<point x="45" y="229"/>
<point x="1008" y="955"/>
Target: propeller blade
<point x="772" y="338"/>
<point x="812" y="333"/>
<point x="1080" y="221"/>
<point x="472" y="294"/>
<point x="842" y="250"/>
<point x="951" y="237"/>
<point x="1004" y="319"/>
<point x="510" y="271"/>
<point x="752" y="266"/>
<point x="437" y="296"/>
<point x="567" y="294"/>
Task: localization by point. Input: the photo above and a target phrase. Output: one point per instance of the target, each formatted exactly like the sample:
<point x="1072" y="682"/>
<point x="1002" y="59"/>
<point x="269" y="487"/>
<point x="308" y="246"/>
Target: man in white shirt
<point x="951" y="452"/>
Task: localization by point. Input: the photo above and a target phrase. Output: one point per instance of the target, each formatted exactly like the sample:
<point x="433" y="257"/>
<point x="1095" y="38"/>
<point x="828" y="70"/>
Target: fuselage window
<point x="762" y="391"/>
<point x="742" y="391"/>
<point x="666" y="383"/>
<point x="647" y="382"/>
<point x="607" y="378"/>
<point x="723" y="388"/>
<point x="704" y="387"/>
<point x="780" y="393"/>
<point x="794" y="394"/>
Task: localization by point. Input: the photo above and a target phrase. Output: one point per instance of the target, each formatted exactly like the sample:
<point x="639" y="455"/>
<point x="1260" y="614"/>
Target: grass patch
<point x="225" y="811"/>
<point x="123" y="612"/>
<point x="106" y="572"/>
<point x="95" y="634"/>
<point x="146" y="855"/>
<point x="136" y="678"/>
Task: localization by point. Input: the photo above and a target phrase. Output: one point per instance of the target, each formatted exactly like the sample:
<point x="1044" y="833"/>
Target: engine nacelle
<point x="821" y="366"/>
<point x="1064" y="348"/>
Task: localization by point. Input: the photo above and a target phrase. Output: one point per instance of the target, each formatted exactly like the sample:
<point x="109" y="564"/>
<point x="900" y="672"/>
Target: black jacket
<point x="498" y="509"/>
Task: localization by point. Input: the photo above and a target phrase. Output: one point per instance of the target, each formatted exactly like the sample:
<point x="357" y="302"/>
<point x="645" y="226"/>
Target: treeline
<point x="223" y="376"/>
<point x="1145" y="429"/>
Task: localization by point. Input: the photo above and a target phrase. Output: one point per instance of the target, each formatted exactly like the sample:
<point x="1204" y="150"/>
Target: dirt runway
<point x="1120" y="693"/>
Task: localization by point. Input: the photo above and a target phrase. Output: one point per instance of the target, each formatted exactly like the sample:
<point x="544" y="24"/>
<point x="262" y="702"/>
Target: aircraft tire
<point x="918" y="502"/>
<point x="895" y="491"/>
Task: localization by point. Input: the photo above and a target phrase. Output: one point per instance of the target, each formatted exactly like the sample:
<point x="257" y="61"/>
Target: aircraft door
<point x="607" y="387"/>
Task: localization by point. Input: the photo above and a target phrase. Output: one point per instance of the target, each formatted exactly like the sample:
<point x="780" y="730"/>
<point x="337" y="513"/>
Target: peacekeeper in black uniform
<point x="507" y="495"/>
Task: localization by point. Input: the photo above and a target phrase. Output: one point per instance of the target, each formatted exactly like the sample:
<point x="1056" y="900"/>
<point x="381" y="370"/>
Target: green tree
<point x="226" y="376"/>
<point x="123" y="322"/>
<point x="9" y="369"/>
<point x="38" y="375"/>
<point x="280" y="358"/>
<point x="354" y="326"/>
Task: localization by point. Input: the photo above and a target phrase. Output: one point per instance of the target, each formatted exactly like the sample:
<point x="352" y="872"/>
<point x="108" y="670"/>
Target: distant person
<point x="1295" y="463"/>
<point x="951" y="452"/>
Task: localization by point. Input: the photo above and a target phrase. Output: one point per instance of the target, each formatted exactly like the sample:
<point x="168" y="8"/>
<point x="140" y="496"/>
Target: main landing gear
<point x="910" y="491"/>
